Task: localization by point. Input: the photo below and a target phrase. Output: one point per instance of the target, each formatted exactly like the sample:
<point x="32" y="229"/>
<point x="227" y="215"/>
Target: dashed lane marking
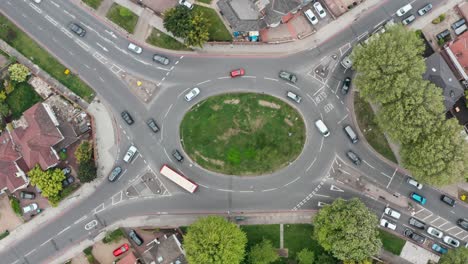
<point x="385" y="175"/>
<point x="271" y="79"/>
<point x="293" y="86"/>
<point x="311" y="164"/>
<point x="61" y="232"/>
<point x="200" y="83"/>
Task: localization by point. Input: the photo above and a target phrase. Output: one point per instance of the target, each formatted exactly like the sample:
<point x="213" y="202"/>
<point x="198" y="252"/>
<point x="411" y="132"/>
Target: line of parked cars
<point x="409" y="19"/>
<point x="311" y="16"/>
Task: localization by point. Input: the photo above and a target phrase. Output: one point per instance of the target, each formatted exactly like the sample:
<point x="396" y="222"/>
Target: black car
<point x="152" y="125"/>
<point x="353" y="157"/>
<point x="75" y="28"/>
<point x="27" y="195"/>
<point x="416" y="223"/>
<point x="415" y="236"/>
<point x="127" y="117"/>
<point x="463" y="223"/>
<point x="448" y="200"/>
<point x="114" y="175"/>
<point x="135" y="237"/>
<point x="161" y="59"/>
<point x="176" y="154"/>
<point x="346" y="85"/>
<point x="445" y="35"/>
<point x="68" y="181"/>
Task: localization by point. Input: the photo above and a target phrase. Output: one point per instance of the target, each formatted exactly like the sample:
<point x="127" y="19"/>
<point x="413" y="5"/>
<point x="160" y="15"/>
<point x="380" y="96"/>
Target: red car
<point x="122" y="249"/>
<point x="237" y="72"/>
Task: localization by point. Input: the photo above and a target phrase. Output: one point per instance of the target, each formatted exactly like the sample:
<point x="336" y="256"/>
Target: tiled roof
<point x="8" y="168"/>
<point x="128" y="259"/>
<point x="458" y="52"/>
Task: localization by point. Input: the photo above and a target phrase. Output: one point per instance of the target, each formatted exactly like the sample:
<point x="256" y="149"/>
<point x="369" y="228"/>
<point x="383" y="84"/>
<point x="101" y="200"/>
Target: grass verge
<point x="217" y="29"/>
<point x="113" y="236"/>
<point x="366" y="121"/>
<point x="30" y="49"/>
<point x="205" y="1"/>
<point x="21" y="99"/>
<point x="123" y="17"/>
<point x="93" y="3"/>
<point x="391" y="243"/>
<point x="15" y="205"/>
<point x="162" y="40"/>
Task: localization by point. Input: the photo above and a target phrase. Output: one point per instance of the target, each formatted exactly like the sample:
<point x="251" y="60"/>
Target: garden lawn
<point x="391" y="243"/>
<point x="162" y="40"/>
<point x="205" y="1"/>
<point x="366" y="121"/>
<point x="93" y="3"/>
<point x="217" y="29"/>
<point x="21" y="99"/>
<point x="30" y="49"/>
<point x="127" y="21"/>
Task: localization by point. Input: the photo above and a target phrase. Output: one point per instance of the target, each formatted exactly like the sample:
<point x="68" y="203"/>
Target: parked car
<point x="68" y="181"/>
<point x="176" y="154"/>
<point x="78" y="30"/>
<point x="132" y="150"/>
<point x="451" y="241"/>
<point x="186" y="4"/>
<point x="405" y="9"/>
<point x="135" y="48"/>
<point x="414" y="183"/>
<point x="418" y="198"/>
<point x="448" y="200"/>
<point x="66" y="171"/>
<point x="347" y="62"/>
<point x="392" y="212"/>
<point x="434" y="232"/>
<point x="444" y="35"/>
<point x="311" y="17"/>
<point x="437" y="248"/>
<point x="152" y="125"/>
<point x="415" y="236"/>
<point x="287" y="76"/>
<point x="416" y="223"/>
<point x="37" y="1"/>
<point x="27" y="195"/>
<point x="135" y="237"/>
<point x="161" y="59"/>
<point x="458" y="24"/>
<point x="237" y="72"/>
<point x="115" y="174"/>
<point x="122" y="249"/>
<point x="319" y="9"/>
<point x="387" y="224"/>
<point x="346" y="85"/>
<point x="353" y="157"/>
<point x="296" y="98"/>
<point x="463" y="223"/>
<point x="192" y="94"/>
<point x="29" y="208"/>
<point x="425" y="9"/>
<point x="127" y="117"/>
<point x="408" y="20"/>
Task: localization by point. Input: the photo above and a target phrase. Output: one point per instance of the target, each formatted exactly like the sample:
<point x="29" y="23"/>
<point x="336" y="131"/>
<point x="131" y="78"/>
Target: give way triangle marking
<point x="336" y="189"/>
<point x="321" y="204"/>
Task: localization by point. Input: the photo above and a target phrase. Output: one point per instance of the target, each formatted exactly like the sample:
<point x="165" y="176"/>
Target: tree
<point x="49" y="181"/>
<point x="198" y="33"/>
<point x="324" y="258"/>
<point x="387" y="63"/>
<point x="84" y="152"/>
<point x="455" y="256"/>
<point x="87" y="171"/>
<point x="18" y="72"/>
<point x="263" y="253"/>
<point x="3" y="96"/>
<point x="305" y="256"/>
<point x="348" y="230"/>
<point x="177" y="20"/>
<point x="213" y="240"/>
<point x="4" y="109"/>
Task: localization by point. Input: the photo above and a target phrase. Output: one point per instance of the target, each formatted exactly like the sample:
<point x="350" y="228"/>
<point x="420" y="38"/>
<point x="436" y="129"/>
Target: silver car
<point x="161" y="59"/>
<point x="435" y="232"/>
<point x="29" y="208"/>
<point x="135" y="48"/>
<point x="192" y="94"/>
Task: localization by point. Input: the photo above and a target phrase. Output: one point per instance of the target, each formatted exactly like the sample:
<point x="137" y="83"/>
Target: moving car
<point x="132" y="150"/>
<point x="161" y="59"/>
<point x="425" y="9"/>
<point x="135" y="48"/>
<point x="75" y="28"/>
<point x="323" y="129"/>
<point x="296" y="98"/>
<point x="311" y="17"/>
<point x="176" y="154"/>
<point x="434" y="232"/>
<point x="415" y="236"/>
<point x="405" y="9"/>
<point x="135" y="237"/>
<point x="353" y="157"/>
<point x="448" y="200"/>
<point x="408" y="20"/>
<point x="346" y="85"/>
<point x="414" y="183"/>
<point x="122" y="249"/>
<point x="115" y="173"/>
<point x="287" y="76"/>
<point x="29" y="208"/>
<point x="418" y="198"/>
<point x="237" y="72"/>
<point x="192" y="94"/>
<point x="451" y="241"/>
<point x="416" y="223"/>
<point x="152" y="125"/>
<point x="385" y="223"/>
<point x="27" y="195"/>
<point x="186" y="4"/>
<point x="127" y="117"/>
<point x="437" y="248"/>
<point x="349" y="131"/>
<point x="319" y="9"/>
<point x="393" y="213"/>
<point x="68" y="181"/>
<point x="463" y="223"/>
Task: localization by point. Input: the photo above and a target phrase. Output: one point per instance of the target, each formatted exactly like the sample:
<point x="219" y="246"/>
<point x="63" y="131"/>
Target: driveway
<point x="8" y="219"/>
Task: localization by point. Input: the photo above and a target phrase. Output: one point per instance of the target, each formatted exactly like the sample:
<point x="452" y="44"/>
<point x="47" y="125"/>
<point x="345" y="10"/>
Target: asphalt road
<point x="101" y="58"/>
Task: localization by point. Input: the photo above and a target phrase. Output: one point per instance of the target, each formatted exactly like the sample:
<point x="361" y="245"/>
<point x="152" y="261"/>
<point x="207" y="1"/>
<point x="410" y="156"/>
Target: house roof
<point x="168" y="250"/>
<point x="458" y="53"/>
<point x="35" y="139"/>
<point x="439" y="73"/>
<point x="128" y="259"/>
<point x="8" y="168"/>
<point x="279" y="8"/>
<point x="460" y="111"/>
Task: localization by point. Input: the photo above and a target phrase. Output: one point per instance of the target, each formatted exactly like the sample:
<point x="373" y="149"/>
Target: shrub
<point x="63" y="155"/>
<point x="4" y="234"/>
<point x="441" y="42"/>
<point x="87" y="171"/>
<point x="113" y="236"/>
<point x="88" y="251"/>
<point x="15" y="205"/>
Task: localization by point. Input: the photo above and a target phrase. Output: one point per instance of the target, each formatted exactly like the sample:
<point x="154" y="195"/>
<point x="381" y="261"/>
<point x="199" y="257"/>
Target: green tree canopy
<point x="387" y="63"/>
<point x="84" y="152"/>
<point x="213" y="240"/>
<point x="177" y="20"/>
<point x="348" y="230"/>
<point x="87" y="171"/>
<point x="455" y="256"/>
<point x="263" y="253"/>
<point x="198" y="33"/>
<point x="49" y="181"/>
<point x="305" y="256"/>
<point x="18" y="72"/>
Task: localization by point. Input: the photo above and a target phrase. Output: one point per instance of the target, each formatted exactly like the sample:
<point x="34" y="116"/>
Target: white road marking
<point x="326" y="196"/>
<point x="345" y="172"/>
<point x="55" y="4"/>
<point x="293" y="86"/>
<point x="102" y="47"/>
<point x="51" y="20"/>
<point x="177" y="62"/>
<point x="319" y="90"/>
<point x="293" y="181"/>
<point x="81" y="219"/>
<point x="82" y="44"/>
<point x="225" y="77"/>
<point x="99" y="208"/>
<point x="90" y="225"/>
<point x="385" y="175"/>
<point x="271" y="79"/>
<point x="36" y="8"/>
<point x="343" y="119"/>
<point x="321" y="144"/>
<point x="200" y="83"/>
<point x="336" y="189"/>
<point x="269" y="190"/>
<point x="345" y="48"/>
<point x="29" y="253"/>
<point x="181" y="57"/>
<point x="391" y="178"/>
<point x="68" y="13"/>
<point x="169" y="109"/>
<point x="248" y="76"/>
<point x="61" y="232"/>
<point x="310" y="166"/>
<point x="322" y="204"/>
<point x="47" y="241"/>
<point x="337" y="86"/>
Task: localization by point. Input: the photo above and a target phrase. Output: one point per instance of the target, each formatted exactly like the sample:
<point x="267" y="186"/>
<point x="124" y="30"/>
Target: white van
<point x="132" y="150"/>
<point x="351" y="134"/>
<point x="461" y="29"/>
<point x="322" y="128"/>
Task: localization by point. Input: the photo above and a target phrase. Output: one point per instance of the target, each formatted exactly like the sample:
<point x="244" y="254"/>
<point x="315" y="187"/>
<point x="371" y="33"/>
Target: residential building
<point x="166" y="249"/>
<point x="12" y="176"/>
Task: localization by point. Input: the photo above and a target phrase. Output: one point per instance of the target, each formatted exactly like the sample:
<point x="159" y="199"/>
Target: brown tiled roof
<point x="128" y="259"/>
<point x="8" y="169"/>
<point x="459" y="49"/>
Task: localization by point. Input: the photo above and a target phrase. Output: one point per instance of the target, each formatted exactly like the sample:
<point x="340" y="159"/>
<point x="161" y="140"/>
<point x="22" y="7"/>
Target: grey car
<point x="135" y="237"/>
<point x="114" y="175"/>
<point x="425" y="9"/>
<point x="290" y="77"/>
<point x="176" y="154"/>
<point x="353" y="157"/>
<point x="127" y="117"/>
<point x="346" y="86"/>
<point x="416" y="223"/>
<point x="152" y="125"/>
<point x="415" y="236"/>
<point x="75" y="28"/>
<point x="161" y="59"/>
<point x="27" y="195"/>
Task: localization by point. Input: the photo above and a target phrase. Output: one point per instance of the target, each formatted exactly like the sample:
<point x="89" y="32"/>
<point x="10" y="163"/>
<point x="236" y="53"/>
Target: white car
<point x="37" y="1"/>
<point x="385" y="223"/>
<point x="451" y="241"/>
<point x="391" y="212"/>
<point x="320" y="11"/>
<point x="192" y="94"/>
<point x="186" y="4"/>
<point x="434" y="232"/>
<point x="402" y="11"/>
<point x="134" y="48"/>
<point x="311" y="17"/>
<point x="414" y="183"/>
<point x="29" y="208"/>
<point x="132" y="150"/>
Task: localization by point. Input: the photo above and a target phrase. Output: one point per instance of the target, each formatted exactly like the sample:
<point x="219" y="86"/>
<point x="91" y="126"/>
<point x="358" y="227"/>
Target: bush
<point x="441" y="42"/>
<point x="438" y="19"/>
<point x="4" y="234"/>
<point x="87" y="171"/>
<point x="15" y="205"/>
<point x="113" y="236"/>
<point x="63" y="155"/>
<point x="88" y="251"/>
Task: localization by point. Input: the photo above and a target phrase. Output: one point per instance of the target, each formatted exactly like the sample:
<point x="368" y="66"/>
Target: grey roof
<point x="439" y="73"/>
<point x="279" y="8"/>
<point x="236" y="23"/>
<point x="168" y="251"/>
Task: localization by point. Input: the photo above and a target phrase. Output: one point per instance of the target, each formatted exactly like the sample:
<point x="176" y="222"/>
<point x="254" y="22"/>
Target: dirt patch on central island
<point x="268" y="104"/>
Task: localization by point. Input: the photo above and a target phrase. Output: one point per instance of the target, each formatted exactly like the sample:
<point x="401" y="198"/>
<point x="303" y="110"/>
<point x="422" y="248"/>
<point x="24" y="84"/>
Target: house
<point x="457" y="52"/>
<point x="12" y="176"/>
<point x="129" y="259"/>
<point x="165" y="250"/>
